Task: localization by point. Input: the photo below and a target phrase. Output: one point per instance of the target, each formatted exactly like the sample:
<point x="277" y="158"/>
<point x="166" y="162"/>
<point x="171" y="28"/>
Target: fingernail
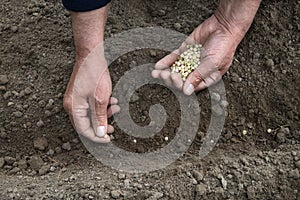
<point x="100" y="131"/>
<point x="189" y="90"/>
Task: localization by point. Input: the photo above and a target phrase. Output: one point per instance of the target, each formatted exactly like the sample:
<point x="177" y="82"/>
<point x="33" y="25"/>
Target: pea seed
<point x="187" y="61"/>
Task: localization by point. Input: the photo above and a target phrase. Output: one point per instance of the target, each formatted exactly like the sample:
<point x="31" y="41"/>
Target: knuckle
<point x="101" y="117"/>
<point x="197" y="76"/>
<point x="67" y="104"/>
<point x="102" y="100"/>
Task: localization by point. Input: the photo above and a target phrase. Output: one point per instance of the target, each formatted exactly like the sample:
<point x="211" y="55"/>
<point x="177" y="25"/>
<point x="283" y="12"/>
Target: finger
<point x="224" y="69"/>
<point x="113" y="101"/>
<point x="192" y="82"/>
<point x="102" y="99"/>
<point x="156" y="73"/>
<point x="82" y="125"/>
<point x="101" y="116"/>
<point x="90" y="134"/>
<point x="209" y="81"/>
<point x="113" y="109"/>
<point x="168" y="60"/>
<point x="177" y="80"/>
<point x="202" y="85"/>
<point x="110" y="129"/>
<point x="203" y="71"/>
<point x="166" y="76"/>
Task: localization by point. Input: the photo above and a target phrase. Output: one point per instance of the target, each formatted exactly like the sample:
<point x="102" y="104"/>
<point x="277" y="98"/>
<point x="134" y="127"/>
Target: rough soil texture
<point x="41" y="156"/>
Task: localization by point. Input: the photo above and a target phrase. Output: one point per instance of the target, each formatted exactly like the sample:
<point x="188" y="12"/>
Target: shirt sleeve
<point x="84" y="5"/>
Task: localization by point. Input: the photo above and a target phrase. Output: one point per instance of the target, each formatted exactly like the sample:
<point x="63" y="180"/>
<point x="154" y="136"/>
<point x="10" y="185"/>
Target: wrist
<point x="88" y="30"/>
<point x="236" y="16"/>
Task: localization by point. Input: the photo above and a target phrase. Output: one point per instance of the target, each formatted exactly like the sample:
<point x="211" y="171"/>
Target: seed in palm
<point x="188" y="61"/>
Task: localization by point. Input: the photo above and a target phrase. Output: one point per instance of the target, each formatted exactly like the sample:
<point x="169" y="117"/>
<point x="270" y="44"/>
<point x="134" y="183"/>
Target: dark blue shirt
<point x="84" y="5"/>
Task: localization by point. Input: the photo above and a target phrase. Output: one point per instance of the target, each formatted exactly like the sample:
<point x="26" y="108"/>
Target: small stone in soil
<point x="217" y="110"/>
<point x="47" y="113"/>
<point x="22" y="164"/>
<point x="198" y="175"/>
<point x="177" y="26"/>
<point x="133" y="64"/>
<point x="224" y="104"/>
<point x="280" y="136"/>
<point x="2" y="162"/>
<point x="194" y="181"/>
<point x="36" y="163"/>
<point x="121" y="176"/>
<point x="3" y="135"/>
<point x="14" y="29"/>
<point x="40" y="123"/>
<point x="44" y="169"/>
<point x="156" y="195"/>
<point x="126" y="183"/>
<point x="115" y="194"/>
<point x="52" y="169"/>
<point x="58" y="150"/>
<point x="9" y="160"/>
<point x="3" y="79"/>
<point x="228" y="136"/>
<point x="2" y="88"/>
<point x="223" y="182"/>
<point x="134" y="97"/>
<point x="40" y="143"/>
<point x="50" y="152"/>
<point x="75" y="141"/>
<point x="14" y="171"/>
<point x="200" y="190"/>
<point x="297" y="164"/>
<point x="66" y="146"/>
<point x="215" y="97"/>
<point x="18" y="114"/>
<point x="269" y="63"/>
<point x="161" y="12"/>
<point x="153" y="53"/>
<point x="7" y="95"/>
<point x="27" y="90"/>
<point x="294" y="174"/>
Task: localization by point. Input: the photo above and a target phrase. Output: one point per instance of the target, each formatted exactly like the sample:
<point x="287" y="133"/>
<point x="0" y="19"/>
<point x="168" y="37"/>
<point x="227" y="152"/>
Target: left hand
<point x="219" y="35"/>
<point x="219" y="47"/>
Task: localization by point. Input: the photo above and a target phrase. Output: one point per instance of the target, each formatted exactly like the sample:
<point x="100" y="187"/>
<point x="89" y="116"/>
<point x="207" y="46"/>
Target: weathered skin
<point x="220" y="35"/>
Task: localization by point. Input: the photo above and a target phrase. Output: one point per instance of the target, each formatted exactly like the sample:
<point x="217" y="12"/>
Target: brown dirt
<point x="37" y="54"/>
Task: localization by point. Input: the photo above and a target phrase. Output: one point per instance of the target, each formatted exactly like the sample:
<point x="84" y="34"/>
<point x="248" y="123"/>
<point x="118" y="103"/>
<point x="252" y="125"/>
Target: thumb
<point x="102" y="97"/>
<point x="193" y="80"/>
<point x="201" y="73"/>
<point x="101" y="115"/>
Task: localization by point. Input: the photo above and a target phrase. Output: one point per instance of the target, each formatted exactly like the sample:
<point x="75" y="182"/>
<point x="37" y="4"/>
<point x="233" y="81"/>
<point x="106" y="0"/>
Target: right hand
<point x="87" y="98"/>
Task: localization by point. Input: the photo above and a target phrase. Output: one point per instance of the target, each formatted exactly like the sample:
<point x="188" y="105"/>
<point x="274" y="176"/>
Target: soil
<point x="41" y="156"/>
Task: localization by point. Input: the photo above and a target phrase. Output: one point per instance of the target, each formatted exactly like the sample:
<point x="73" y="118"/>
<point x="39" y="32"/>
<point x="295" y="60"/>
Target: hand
<point x="220" y="35"/>
<point x="88" y="96"/>
<point x="88" y="93"/>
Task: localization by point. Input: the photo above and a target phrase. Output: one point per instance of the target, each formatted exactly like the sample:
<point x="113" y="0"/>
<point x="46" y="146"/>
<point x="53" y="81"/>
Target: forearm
<point x="237" y="15"/>
<point x="88" y="30"/>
